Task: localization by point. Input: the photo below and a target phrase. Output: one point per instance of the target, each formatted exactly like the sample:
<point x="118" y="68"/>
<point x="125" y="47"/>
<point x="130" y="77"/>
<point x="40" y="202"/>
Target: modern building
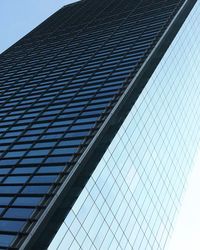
<point x="100" y="125"/>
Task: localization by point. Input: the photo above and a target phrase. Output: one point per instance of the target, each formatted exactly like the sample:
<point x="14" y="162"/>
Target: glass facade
<point x="132" y="198"/>
<point x="59" y="85"/>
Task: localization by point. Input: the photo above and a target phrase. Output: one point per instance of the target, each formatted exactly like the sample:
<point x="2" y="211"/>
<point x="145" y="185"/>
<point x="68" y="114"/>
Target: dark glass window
<point x="6" y="240"/>
<point x="5" y="200"/>
<point x="16" y="179"/>
<point x="11" y="226"/>
<point x="36" y="189"/>
<point x="27" y="201"/>
<point x="58" y="85"/>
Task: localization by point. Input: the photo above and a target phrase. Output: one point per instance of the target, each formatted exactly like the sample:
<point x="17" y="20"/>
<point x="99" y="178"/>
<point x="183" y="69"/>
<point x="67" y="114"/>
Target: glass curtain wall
<point x="132" y="198"/>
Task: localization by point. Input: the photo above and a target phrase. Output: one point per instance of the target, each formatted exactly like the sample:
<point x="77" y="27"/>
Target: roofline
<point x="74" y="3"/>
<point x="38" y="26"/>
<point x="55" y="213"/>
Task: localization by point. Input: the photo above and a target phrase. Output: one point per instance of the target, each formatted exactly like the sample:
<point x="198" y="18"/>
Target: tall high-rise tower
<point x="90" y="136"/>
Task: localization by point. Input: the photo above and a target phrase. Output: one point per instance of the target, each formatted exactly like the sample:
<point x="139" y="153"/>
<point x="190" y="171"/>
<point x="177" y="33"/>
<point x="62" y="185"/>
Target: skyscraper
<point x="75" y="107"/>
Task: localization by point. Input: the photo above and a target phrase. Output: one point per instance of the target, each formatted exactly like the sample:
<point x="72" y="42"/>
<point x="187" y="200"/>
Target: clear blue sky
<point x="18" y="17"/>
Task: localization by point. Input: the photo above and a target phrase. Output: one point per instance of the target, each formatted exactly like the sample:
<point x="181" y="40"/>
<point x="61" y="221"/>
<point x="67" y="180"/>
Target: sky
<point x="17" y="18"/>
<point x="186" y="234"/>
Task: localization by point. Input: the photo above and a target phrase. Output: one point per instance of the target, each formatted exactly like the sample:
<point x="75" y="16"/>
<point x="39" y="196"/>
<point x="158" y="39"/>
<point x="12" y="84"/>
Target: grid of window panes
<point x="131" y="199"/>
<point x="58" y="84"/>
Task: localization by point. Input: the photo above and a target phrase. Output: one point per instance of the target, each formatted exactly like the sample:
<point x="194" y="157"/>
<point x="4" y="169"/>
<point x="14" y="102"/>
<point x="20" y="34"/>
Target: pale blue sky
<point x="18" y="17"/>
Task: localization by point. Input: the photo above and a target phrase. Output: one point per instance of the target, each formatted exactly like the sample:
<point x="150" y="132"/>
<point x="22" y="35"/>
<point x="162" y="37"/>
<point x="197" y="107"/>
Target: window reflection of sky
<point x="187" y="68"/>
<point x="133" y="196"/>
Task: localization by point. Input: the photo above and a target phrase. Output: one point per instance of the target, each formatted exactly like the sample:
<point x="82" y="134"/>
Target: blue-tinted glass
<point x="58" y="159"/>
<point x="45" y="145"/>
<point x="25" y="170"/>
<point x="32" y="161"/>
<point x="60" y="151"/>
<point x="132" y="198"/>
<point x="16" y="179"/>
<point x="5" y="200"/>
<point x="6" y="240"/>
<point x="44" y="179"/>
<point x="27" y="201"/>
<point x="12" y="226"/>
<point x="70" y="142"/>
<point x="16" y="154"/>
<point x="8" y="162"/>
<point x="4" y="170"/>
<point x="38" y="152"/>
<point x="52" y="169"/>
<point x="36" y="190"/>
<point x="19" y="213"/>
<point x="22" y="146"/>
<point x="58" y="85"/>
<point x="9" y="189"/>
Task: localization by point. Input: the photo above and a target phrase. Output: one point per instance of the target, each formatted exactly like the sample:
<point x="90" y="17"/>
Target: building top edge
<point x="74" y="3"/>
